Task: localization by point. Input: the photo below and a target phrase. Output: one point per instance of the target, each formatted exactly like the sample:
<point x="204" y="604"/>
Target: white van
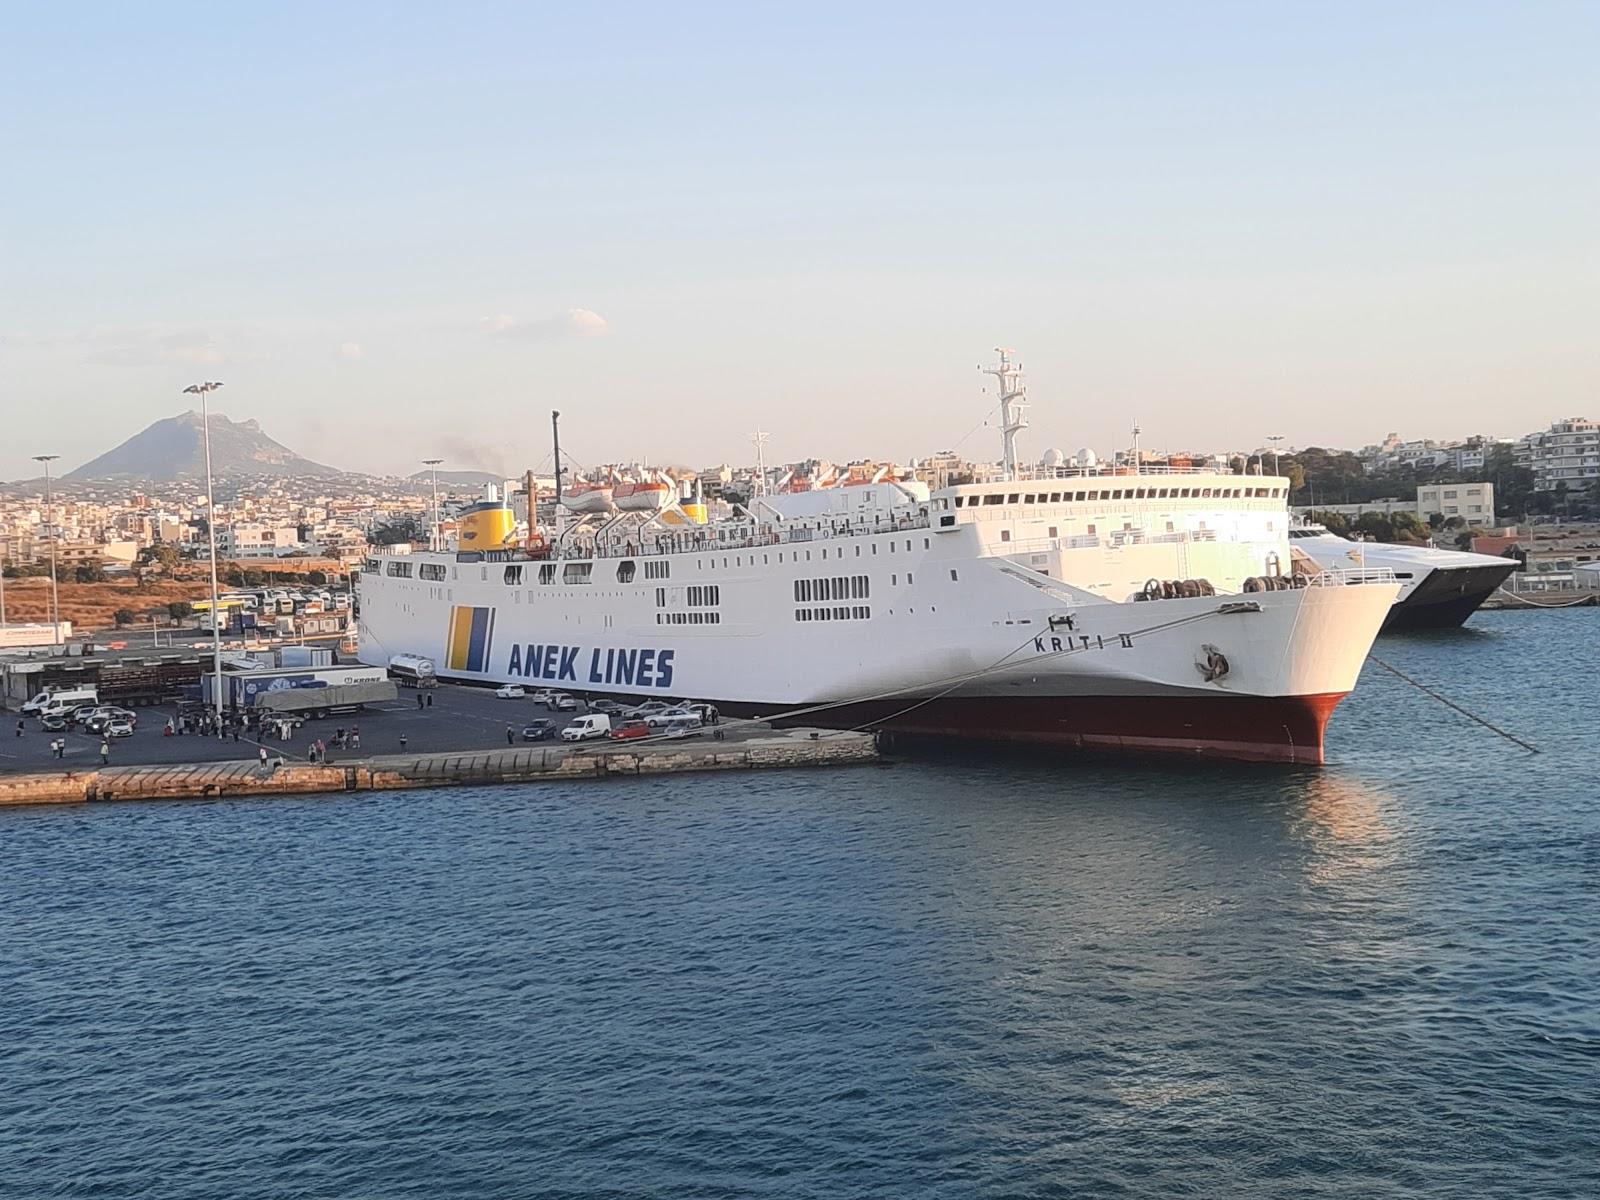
<point x="67" y="699"/>
<point x="32" y="708"/>
<point x="587" y="728"/>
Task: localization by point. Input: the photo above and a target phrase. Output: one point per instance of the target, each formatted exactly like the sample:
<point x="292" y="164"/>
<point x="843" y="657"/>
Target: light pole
<point x="203" y="390"/>
<point x="1275" y="438"/>
<point x="50" y="528"/>
<point x="433" y="529"/>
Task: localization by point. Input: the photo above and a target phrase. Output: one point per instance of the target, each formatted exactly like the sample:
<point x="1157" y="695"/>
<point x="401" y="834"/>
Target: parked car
<point x="96" y="719"/>
<point x="562" y="702"/>
<point x="629" y="730"/>
<point x="510" y="691"/>
<point x="539" y="731"/>
<point x="118" y="728"/>
<point x="682" y="729"/>
<point x="650" y="706"/>
<point x="659" y="719"/>
<point x="609" y="707"/>
<point x="543" y="696"/>
<point x="54" y="723"/>
<point x="587" y="728"/>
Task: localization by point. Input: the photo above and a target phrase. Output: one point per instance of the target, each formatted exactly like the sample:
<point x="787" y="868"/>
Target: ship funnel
<point x="489" y="525"/>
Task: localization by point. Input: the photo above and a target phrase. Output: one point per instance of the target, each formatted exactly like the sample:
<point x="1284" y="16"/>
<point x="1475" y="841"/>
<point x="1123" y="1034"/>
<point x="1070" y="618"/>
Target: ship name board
<point x="643" y="668"/>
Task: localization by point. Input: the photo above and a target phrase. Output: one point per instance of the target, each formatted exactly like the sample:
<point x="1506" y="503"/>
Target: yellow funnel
<point x="488" y="526"/>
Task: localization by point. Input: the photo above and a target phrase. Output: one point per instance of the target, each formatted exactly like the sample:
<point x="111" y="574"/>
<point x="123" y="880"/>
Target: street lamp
<point x="50" y="527"/>
<point x="203" y="390"/>
<point x="1275" y="438"/>
<point x="433" y="532"/>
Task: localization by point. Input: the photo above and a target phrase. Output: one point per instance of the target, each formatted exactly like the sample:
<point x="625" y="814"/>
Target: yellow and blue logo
<point x="471" y="632"/>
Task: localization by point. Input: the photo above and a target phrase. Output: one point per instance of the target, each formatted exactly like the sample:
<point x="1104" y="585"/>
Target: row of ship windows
<point x="570" y="573"/>
<point x="1144" y="493"/>
<point x="699" y="595"/>
<point x="581" y="573"/>
<point x="836" y="587"/>
<point x="689" y="618"/>
<point x="840" y="612"/>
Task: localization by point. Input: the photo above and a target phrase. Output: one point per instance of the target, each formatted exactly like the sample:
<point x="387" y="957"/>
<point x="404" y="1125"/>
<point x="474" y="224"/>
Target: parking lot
<point x="460" y="718"/>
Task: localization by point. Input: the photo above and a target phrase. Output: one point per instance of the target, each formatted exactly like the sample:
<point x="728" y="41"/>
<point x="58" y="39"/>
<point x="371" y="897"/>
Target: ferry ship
<point x="1133" y="609"/>
<point x="1439" y="589"/>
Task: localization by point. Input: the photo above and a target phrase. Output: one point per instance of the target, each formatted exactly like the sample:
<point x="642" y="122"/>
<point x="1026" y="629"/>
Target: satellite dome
<point x="1053" y="458"/>
<point x="1086" y="458"/>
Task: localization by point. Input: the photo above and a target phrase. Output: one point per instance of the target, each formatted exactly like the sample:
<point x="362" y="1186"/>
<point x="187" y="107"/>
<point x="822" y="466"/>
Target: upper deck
<point x="1086" y="492"/>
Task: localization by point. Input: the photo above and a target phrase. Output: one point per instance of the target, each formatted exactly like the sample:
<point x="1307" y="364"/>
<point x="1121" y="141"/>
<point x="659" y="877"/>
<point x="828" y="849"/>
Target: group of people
<point x="58" y="749"/>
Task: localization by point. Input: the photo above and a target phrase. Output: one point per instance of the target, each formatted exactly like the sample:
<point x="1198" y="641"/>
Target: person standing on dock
<point x="105" y="752"/>
<point x="402" y="741"/>
<point x="19" y="728"/>
<point x="263" y="758"/>
<point x="511" y="736"/>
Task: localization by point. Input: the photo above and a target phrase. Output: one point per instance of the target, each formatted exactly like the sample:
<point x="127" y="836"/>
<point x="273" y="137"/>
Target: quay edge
<point x="198" y="781"/>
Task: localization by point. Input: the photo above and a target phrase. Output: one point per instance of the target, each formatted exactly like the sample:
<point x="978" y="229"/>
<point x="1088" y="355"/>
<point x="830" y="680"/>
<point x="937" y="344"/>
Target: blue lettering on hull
<point x="608" y="667"/>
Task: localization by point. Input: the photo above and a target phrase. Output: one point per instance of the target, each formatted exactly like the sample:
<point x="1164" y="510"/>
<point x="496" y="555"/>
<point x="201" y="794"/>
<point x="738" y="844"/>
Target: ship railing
<point x="1105" y="470"/>
<point x="1349" y="576"/>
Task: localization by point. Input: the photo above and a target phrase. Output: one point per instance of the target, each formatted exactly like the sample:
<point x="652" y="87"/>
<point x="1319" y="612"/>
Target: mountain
<point x="472" y="478"/>
<point x="173" y="449"/>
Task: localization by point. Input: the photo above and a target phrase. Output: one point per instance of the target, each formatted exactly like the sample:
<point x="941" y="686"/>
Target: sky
<point x="398" y="231"/>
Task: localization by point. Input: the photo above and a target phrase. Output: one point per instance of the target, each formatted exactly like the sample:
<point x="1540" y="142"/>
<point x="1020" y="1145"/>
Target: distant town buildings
<point x="1473" y="502"/>
<point x="1566" y="453"/>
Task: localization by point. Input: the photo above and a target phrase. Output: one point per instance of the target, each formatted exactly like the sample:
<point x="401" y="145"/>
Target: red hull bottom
<point x="1280" y="729"/>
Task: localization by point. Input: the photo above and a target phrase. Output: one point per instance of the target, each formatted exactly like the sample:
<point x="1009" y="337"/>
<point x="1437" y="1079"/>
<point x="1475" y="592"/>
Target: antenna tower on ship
<point x="1013" y="405"/>
<point x="760" y="438"/>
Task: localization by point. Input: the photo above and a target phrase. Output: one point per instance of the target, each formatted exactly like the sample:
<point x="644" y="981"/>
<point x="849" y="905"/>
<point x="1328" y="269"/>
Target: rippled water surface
<point x="976" y="977"/>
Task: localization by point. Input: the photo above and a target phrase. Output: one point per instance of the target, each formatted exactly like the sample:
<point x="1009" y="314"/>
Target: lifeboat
<point x="651" y="495"/>
<point x="584" y="497"/>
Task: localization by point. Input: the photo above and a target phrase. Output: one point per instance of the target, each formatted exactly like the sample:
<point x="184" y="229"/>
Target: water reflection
<point x="1347" y="823"/>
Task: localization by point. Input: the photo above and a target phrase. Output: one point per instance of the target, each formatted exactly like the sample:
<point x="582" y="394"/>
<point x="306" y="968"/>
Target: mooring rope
<point x="1448" y="703"/>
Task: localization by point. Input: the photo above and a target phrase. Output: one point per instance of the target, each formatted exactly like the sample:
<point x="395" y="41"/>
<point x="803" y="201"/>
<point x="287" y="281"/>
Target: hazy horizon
<point x="395" y="236"/>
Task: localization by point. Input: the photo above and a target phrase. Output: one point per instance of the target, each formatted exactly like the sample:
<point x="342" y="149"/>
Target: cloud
<point x="143" y="347"/>
<point x="574" y="323"/>
<point x="351" y="350"/>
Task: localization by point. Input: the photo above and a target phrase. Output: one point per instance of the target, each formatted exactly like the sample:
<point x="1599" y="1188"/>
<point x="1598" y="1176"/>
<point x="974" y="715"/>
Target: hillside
<point x="174" y="449"/>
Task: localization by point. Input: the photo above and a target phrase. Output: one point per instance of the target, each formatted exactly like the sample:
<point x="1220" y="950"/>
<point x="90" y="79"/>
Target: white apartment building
<point x="1568" y="452"/>
<point x="1472" y="502"/>
<point x="254" y="539"/>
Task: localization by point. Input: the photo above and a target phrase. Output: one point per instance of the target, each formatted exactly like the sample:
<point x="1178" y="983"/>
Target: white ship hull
<point x="1439" y="589"/>
<point x="937" y="630"/>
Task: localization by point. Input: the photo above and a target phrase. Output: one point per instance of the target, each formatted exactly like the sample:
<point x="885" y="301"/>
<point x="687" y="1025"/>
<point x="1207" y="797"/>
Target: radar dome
<point x="1086" y="458"/>
<point x="1053" y="458"/>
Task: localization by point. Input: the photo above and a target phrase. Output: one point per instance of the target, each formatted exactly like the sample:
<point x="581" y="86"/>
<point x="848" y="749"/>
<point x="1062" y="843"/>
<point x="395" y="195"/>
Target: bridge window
<point x="577" y="573"/>
<point x="625" y="570"/>
<point x="547" y="573"/>
<point x="513" y="576"/>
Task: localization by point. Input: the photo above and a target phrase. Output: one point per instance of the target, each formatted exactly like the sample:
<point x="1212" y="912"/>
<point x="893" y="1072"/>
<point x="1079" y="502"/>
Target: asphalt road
<point x="461" y="718"/>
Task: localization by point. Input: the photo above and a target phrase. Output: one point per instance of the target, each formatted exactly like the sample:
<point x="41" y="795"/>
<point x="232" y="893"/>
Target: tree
<point x="408" y="528"/>
<point x="180" y="609"/>
<point x="1331" y="521"/>
<point x="125" y="616"/>
<point x="1435" y="520"/>
<point x="90" y="572"/>
<point x="1407" y="527"/>
<point x="317" y="578"/>
<point x="163" y="556"/>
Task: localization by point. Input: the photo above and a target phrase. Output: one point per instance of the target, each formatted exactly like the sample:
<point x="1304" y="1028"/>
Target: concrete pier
<point x="515" y="764"/>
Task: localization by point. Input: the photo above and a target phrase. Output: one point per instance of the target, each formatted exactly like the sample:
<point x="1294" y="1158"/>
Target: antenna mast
<point x="1013" y="406"/>
<point x="760" y="438"/>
